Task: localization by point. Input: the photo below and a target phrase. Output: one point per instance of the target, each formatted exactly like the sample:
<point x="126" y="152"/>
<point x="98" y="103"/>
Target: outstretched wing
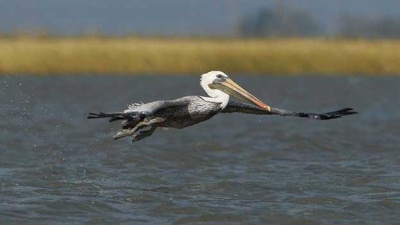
<point x="240" y="107"/>
<point x="152" y="108"/>
<point x="138" y="111"/>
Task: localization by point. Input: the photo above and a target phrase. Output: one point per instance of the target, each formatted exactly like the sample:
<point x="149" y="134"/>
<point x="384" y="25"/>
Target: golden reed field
<point x="195" y="56"/>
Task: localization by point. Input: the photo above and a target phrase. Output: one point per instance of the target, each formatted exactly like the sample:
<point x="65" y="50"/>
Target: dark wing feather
<point x="240" y="107"/>
<point x="317" y="116"/>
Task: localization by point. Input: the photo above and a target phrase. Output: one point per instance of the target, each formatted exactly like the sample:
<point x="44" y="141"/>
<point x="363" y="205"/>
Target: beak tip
<point x="266" y="107"/>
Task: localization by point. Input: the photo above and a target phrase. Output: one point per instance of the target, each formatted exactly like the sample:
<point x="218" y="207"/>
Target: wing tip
<point x="338" y="113"/>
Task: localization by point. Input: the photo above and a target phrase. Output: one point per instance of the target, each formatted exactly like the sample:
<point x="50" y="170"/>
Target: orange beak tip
<point x="267" y="108"/>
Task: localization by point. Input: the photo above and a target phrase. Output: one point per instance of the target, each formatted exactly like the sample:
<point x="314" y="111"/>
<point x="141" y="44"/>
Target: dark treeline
<point x="280" y="20"/>
<point x="382" y="27"/>
<point x="285" y="21"/>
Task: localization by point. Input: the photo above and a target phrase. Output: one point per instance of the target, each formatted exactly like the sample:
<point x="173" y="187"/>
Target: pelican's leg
<point x="131" y="125"/>
<point x="146" y="122"/>
<point x="143" y="133"/>
<point x="152" y="123"/>
<point x="129" y="131"/>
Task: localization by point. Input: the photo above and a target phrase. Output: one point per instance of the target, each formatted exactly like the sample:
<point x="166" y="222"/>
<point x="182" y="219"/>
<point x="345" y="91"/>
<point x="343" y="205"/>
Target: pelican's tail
<point x="112" y="116"/>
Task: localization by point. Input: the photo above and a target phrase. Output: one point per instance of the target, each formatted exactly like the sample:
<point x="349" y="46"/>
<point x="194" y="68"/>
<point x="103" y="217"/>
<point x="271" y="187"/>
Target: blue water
<point x="57" y="167"/>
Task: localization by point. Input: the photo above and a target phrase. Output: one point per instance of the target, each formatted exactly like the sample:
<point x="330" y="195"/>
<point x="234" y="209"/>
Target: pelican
<point x="141" y="120"/>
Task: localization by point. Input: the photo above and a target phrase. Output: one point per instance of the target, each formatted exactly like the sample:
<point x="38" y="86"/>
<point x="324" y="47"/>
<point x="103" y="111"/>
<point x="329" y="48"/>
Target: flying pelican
<point x="141" y="120"/>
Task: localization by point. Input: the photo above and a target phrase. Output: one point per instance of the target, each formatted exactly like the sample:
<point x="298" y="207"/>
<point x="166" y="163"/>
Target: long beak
<point x="231" y="88"/>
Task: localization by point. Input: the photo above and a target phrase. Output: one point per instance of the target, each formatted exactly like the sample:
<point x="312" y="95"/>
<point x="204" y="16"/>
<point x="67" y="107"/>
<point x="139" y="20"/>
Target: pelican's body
<point x="179" y="113"/>
<point x="141" y="120"/>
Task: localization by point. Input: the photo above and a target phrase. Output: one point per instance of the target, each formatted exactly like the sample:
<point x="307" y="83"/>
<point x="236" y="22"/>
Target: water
<point x="56" y="167"/>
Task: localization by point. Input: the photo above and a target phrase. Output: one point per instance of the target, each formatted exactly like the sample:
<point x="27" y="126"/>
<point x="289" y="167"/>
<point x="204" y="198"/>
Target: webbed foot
<point x="143" y="133"/>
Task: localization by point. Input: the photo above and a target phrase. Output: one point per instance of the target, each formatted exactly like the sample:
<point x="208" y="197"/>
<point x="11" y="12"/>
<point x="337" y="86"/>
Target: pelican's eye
<point x="219" y="79"/>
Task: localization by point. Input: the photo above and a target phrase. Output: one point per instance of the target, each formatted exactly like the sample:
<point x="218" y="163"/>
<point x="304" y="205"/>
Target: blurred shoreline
<point x="182" y="56"/>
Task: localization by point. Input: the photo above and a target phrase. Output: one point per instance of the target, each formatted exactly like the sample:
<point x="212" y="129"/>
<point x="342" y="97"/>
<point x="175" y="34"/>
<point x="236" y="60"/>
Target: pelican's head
<point x="219" y="87"/>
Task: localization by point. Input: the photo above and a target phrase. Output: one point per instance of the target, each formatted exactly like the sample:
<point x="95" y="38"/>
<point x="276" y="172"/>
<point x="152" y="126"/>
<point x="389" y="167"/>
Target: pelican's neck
<point x="223" y="101"/>
<point x="216" y="95"/>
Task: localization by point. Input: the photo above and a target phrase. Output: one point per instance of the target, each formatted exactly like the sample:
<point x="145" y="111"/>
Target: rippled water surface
<point x="56" y="167"/>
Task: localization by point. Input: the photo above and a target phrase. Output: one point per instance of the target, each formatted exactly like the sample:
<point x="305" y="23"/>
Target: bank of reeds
<point x="195" y="56"/>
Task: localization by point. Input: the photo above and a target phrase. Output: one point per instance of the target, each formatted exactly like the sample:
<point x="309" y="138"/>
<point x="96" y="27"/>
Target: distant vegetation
<point x="281" y="21"/>
<point x="285" y="21"/>
<point x="196" y="56"/>
<point x="366" y="27"/>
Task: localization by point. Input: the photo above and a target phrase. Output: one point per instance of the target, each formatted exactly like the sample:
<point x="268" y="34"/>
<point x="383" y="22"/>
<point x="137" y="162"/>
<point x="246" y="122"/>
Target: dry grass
<point x="195" y="56"/>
